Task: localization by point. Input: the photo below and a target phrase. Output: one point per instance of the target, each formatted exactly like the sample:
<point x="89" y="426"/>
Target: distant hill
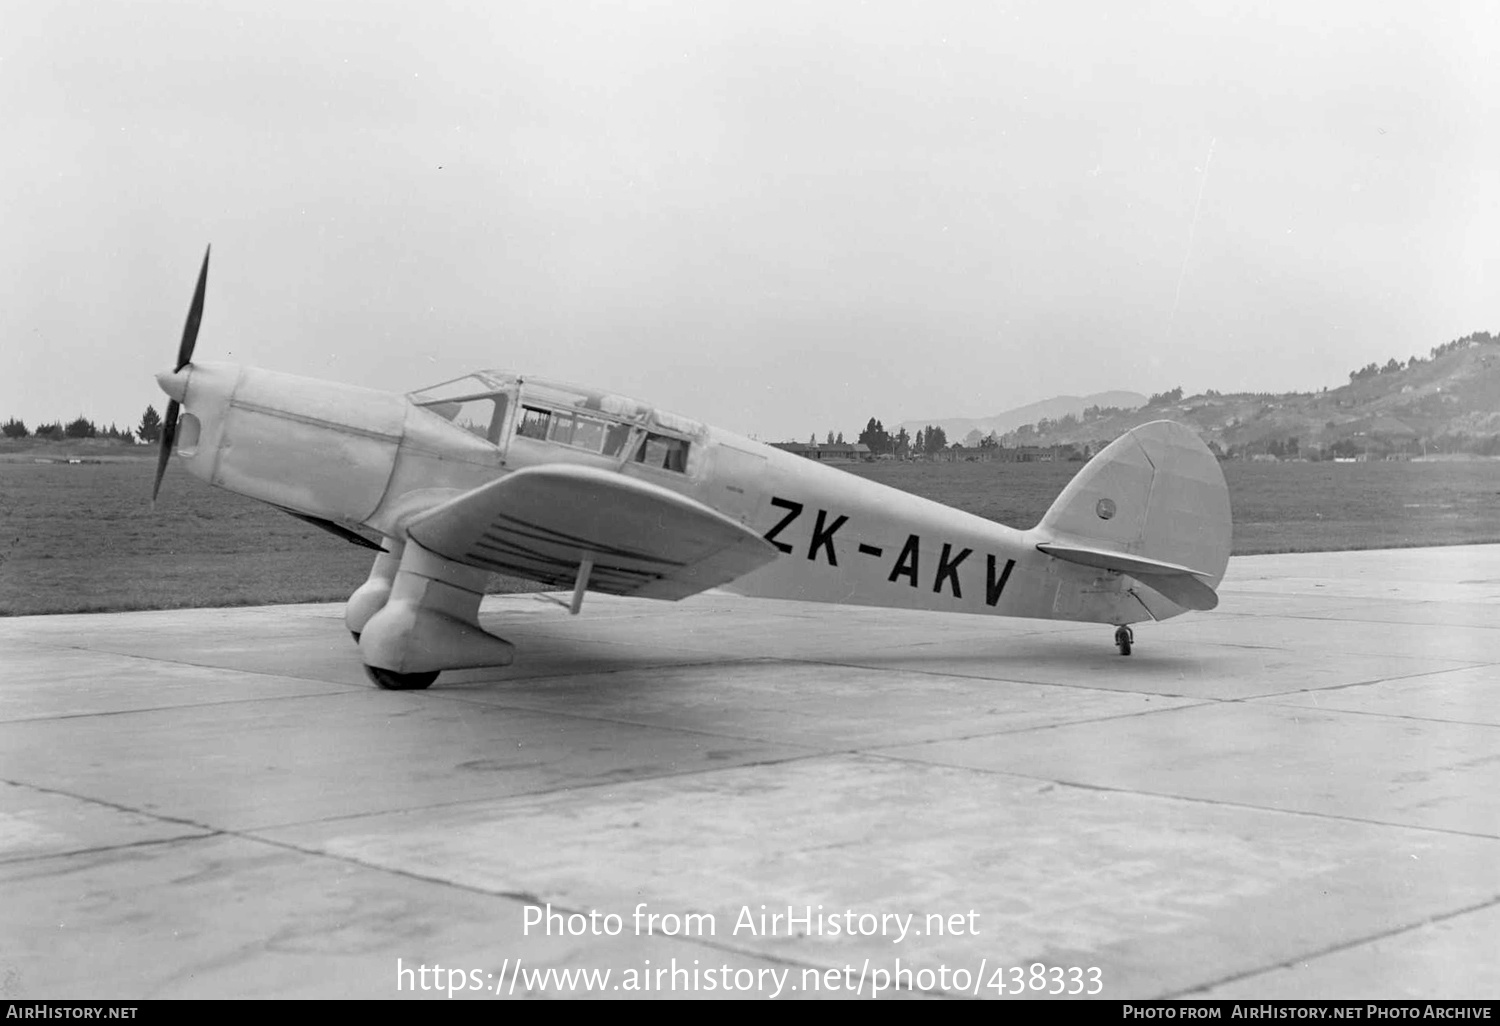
<point x="1446" y="403"/>
<point x="956" y="428"/>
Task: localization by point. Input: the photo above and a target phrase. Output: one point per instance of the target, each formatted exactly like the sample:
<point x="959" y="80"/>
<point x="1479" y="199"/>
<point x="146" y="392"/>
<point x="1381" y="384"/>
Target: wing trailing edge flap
<point x="1181" y="584"/>
<point x="641" y="539"/>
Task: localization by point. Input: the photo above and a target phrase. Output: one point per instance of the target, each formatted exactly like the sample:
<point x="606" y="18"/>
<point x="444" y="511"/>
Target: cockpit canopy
<point x="568" y="415"/>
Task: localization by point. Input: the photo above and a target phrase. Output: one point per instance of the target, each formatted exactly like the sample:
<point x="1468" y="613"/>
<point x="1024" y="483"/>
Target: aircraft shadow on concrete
<point x="1081" y="664"/>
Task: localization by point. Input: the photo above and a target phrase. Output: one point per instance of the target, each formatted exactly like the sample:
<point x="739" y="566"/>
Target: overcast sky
<point x="780" y="217"/>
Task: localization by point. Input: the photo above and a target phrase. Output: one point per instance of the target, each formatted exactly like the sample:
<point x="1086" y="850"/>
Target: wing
<point x="543" y="522"/>
<point x="1179" y="583"/>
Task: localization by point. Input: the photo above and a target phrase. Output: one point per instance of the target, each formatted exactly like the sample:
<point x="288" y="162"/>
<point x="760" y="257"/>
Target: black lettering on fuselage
<point x="993" y="588"/>
<point x="906" y="563"/>
<point x="949" y="571"/>
<point x="823" y="539"/>
<point x="794" y="510"/>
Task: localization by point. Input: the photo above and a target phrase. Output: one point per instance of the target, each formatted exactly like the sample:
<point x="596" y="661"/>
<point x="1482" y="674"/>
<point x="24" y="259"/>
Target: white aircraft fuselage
<point x="380" y="462"/>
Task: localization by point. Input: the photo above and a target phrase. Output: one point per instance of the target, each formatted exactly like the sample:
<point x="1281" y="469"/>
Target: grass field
<point x="1277" y="507"/>
<point x="83" y="537"/>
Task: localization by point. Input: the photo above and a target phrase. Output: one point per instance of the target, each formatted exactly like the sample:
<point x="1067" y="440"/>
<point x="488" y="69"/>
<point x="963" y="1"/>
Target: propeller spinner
<point x="184" y="357"/>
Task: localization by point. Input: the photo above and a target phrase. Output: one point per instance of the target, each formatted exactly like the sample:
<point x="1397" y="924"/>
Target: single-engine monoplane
<point x="585" y="490"/>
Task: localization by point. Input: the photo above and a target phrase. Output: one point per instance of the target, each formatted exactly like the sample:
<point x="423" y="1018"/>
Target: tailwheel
<point x="390" y="680"/>
<point x="1123" y="638"/>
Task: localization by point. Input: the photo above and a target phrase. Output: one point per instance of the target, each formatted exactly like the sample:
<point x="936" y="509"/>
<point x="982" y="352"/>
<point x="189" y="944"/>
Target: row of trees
<point x="1370" y="370"/>
<point x="148" y="431"/>
<point x="932" y="438"/>
<point x="1449" y="442"/>
<point x="881" y="442"/>
<point x="1027" y="434"/>
<point x="1392" y="365"/>
<point x="57" y="431"/>
<point x="1476" y="338"/>
<point x="929" y="439"/>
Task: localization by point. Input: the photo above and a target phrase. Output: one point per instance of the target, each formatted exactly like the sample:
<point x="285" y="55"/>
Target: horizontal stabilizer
<point x="1123" y="562"/>
<point x="637" y="538"/>
<point x="1179" y="583"/>
<point x="1187" y="591"/>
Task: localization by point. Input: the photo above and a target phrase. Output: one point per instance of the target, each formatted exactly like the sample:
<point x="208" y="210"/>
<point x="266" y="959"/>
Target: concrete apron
<point x="1295" y="795"/>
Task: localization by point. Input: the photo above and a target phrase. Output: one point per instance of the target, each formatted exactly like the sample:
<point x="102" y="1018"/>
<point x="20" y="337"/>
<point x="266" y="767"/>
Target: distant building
<point x="826" y="452"/>
<point x="1006" y="454"/>
<point x="969" y="453"/>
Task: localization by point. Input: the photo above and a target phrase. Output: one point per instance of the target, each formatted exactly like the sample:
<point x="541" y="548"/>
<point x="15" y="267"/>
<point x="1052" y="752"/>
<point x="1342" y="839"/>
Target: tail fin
<point x="1153" y="504"/>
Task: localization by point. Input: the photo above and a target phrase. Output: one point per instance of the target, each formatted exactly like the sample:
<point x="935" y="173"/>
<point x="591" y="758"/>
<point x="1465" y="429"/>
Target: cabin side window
<point x="577" y="430"/>
<point x="533" y="423"/>
<point x="615" y="437"/>
<point x="663" y="451"/>
<point x="561" y="428"/>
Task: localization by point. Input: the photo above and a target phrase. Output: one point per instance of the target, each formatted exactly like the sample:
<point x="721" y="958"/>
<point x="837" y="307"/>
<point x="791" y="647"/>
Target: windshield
<point x="474" y="402"/>
<point x="467" y="387"/>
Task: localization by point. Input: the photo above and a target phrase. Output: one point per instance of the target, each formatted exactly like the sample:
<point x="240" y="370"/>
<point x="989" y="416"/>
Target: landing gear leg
<point x="429" y="622"/>
<point x="1123" y="637"/>
<point x="370" y="598"/>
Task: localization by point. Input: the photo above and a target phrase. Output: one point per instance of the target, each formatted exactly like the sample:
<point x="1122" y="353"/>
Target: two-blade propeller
<point x="184" y="357"/>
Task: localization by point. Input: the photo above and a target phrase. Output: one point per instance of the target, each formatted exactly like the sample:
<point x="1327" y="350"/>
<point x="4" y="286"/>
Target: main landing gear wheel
<point x="1123" y="637"/>
<point x="390" y="680"/>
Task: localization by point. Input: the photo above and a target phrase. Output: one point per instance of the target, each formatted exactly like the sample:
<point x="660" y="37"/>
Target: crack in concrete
<point x="1333" y="949"/>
